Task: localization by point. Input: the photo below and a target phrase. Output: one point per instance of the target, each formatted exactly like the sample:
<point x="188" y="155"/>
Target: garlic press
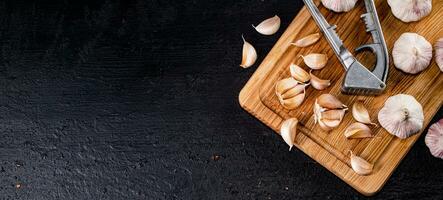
<point x="358" y="79"/>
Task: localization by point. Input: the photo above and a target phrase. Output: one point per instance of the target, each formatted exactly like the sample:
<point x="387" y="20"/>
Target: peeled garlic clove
<point x="329" y="101"/>
<point x="358" y="130"/>
<point x="412" y="53"/>
<point x="249" y="54"/>
<point x="315" y="61"/>
<point x="439" y="53"/>
<point x="319" y="84"/>
<point x="410" y="10"/>
<point x="361" y="114"/>
<point x="285" y="84"/>
<point x="268" y="26"/>
<point x="339" y="5"/>
<point x="298" y="73"/>
<point x="308" y="40"/>
<point x="288" y="131"/>
<point x="293" y="102"/>
<point x="401" y="116"/>
<point x="360" y="165"/>
<point x="434" y="139"/>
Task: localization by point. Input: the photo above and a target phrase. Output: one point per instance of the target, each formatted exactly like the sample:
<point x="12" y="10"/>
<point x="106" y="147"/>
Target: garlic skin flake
<point x="360" y="165"/>
<point x="268" y="26"/>
<point x="358" y="130"/>
<point x="434" y="139"/>
<point x="315" y="61"/>
<point x="439" y="53"/>
<point x="307" y="40"/>
<point x="339" y="5"/>
<point x="412" y="53"/>
<point x="361" y="114"/>
<point x="401" y="116"/>
<point x="288" y="131"/>
<point x="249" y="55"/>
<point x="410" y="10"/>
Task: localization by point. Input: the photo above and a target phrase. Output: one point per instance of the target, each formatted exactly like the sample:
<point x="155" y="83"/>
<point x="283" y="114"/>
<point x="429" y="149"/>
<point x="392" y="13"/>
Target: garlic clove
<point x="315" y="61"/>
<point x="331" y="123"/>
<point x="358" y="130"/>
<point x="317" y="83"/>
<point x="298" y="73"/>
<point x="339" y="5"/>
<point x="307" y="40"/>
<point x="401" y="116"/>
<point x="329" y="101"/>
<point x="361" y="114"/>
<point x="293" y="91"/>
<point x="323" y="126"/>
<point x="249" y="55"/>
<point x="412" y="53"/>
<point x="285" y="84"/>
<point x="293" y="102"/>
<point x="268" y="26"/>
<point x="333" y="114"/>
<point x="410" y="10"/>
<point x="360" y="165"/>
<point x="288" y="131"/>
<point x="439" y="53"/>
<point x="434" y="139"/>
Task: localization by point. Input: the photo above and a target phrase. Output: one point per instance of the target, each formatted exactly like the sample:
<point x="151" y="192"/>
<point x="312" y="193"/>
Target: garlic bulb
<point x="439" y="53"/>
<point x="290" y="93"/>
<point x="410" y="10"/>
<point x="401" y="116"/>
<point x="339" y="5"/>
<point x="268" y="26"/>
<point x="288" y="131"/>
<point x="412" y="53"/>
<point x="249" y="55"/>
<point x="434" y="139"/>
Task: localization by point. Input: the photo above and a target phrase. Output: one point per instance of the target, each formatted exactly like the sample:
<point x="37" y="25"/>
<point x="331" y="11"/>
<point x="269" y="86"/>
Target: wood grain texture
<point x="331" y="149"/>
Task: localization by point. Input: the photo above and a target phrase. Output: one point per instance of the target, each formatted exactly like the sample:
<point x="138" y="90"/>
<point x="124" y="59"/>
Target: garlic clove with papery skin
<point x="288" y="131"/>
<point x="268" y="26"/>
<point x="401" y="116"/>
<point x="329" y="101"/>
<point x="298" y="73"/>
<point x="434" y="139"/>
<point x="307" y="40"/>
<point x="360" y="165"/>
<point x="410" y="10"/>
<point x="412" y="53"/>
<point x="439" y="53"/>
<point x="290" y="93"/>
<point x="339" y="5"/>
<point x="249" y="55"/>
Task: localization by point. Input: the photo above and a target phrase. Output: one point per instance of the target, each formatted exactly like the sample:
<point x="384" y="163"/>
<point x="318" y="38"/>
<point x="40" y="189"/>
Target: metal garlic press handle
<point x="345" y="57"/>
<point x="358" y="79"/>
<point x="378" y="47"/>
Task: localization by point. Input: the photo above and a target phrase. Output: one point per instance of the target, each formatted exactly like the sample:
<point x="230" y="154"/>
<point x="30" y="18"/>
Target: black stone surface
<point x="138" y="100"/>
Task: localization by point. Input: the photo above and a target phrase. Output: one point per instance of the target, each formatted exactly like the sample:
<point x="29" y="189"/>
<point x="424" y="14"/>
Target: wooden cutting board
<point x="330" y="149"/>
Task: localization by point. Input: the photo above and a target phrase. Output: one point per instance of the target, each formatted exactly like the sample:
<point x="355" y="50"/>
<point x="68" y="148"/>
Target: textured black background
<point x="138" y="100"/>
